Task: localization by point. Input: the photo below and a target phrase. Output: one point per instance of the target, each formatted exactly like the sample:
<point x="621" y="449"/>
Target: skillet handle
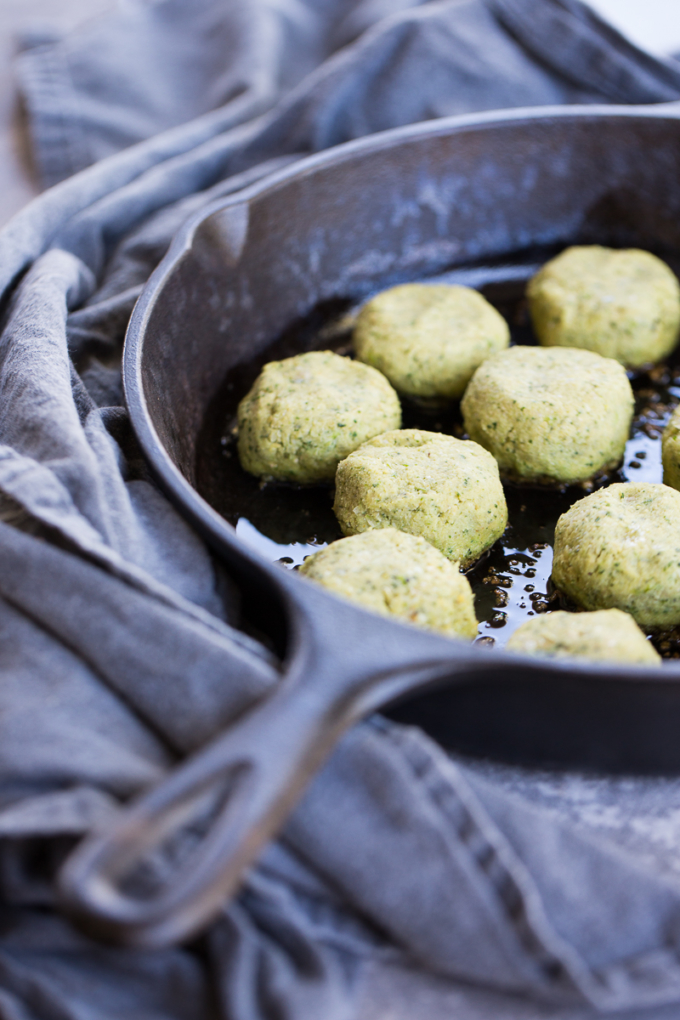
<point x="163" y="868"/>
<point x="225" y="802"/>
<point x="235" y="792"/>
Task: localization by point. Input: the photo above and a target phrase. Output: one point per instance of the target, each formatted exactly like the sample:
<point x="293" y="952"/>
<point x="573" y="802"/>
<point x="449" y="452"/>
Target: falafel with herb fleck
<point x="670" y="451"/>
<point x="424" y="483"/>
<point x="428" y="339"/>
<point x="622" y="304"/>
<point x="605" y="635"/>
<point x="619" y="548"/>
<point x="397" y="575"/>
<point x="550" y="414"/>
<point x="304" y="415"/>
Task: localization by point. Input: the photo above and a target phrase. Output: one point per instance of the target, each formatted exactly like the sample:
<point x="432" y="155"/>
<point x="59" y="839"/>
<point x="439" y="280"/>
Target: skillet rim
<point x="189" y="502"/>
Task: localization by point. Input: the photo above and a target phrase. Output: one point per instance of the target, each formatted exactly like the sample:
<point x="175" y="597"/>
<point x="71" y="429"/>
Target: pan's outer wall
<point x="398" y="211"/>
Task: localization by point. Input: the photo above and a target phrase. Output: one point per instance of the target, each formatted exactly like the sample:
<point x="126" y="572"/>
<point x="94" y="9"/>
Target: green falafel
<point x="303" y="415"/>
<point x="424" y="483"/>
<point x="428" y="339"/>
<point x="606" y="635"/>
<point x="397" y="575"/>
<point x="550" y="415"/>
<point x="670" y="451"/>
<point x="621" y="304"/>
<point x="619" y="548"/>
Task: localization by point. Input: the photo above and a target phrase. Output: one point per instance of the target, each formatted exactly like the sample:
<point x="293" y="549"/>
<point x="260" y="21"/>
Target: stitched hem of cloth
<point x="645" y="980"/>
<point x="59" y="144"/>
<point x="571" y="39"/>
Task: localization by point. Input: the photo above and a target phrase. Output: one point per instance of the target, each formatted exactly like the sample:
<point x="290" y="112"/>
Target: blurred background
<point x="652" y="24"/>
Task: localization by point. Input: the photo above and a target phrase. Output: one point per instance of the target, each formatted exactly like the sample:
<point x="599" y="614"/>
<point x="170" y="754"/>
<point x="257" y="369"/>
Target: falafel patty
<point x="397" y="575"/>
<point x="550" y="415"/>
<point x="619" y="548"/>
<point x="303" y="415"/>
<point x="620" y="304"/>
<point x="424" y="483"/>
<point x="428" y="339"/>
<point x="670" y="451"/>
<point x="606" y="635"/>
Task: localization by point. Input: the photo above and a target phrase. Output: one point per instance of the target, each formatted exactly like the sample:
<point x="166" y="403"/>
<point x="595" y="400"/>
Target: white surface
<point x="653" y="25"/>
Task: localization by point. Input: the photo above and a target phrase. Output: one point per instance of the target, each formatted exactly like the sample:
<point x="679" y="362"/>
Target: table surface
<point x="653" y="24"/>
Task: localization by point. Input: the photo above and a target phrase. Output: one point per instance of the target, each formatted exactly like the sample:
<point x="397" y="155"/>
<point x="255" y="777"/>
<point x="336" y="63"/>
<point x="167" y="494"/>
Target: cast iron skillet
<point x="403" y="205"/>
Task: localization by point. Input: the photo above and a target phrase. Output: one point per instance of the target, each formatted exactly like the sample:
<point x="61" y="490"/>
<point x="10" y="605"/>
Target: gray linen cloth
<point x="406" y="884"/>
